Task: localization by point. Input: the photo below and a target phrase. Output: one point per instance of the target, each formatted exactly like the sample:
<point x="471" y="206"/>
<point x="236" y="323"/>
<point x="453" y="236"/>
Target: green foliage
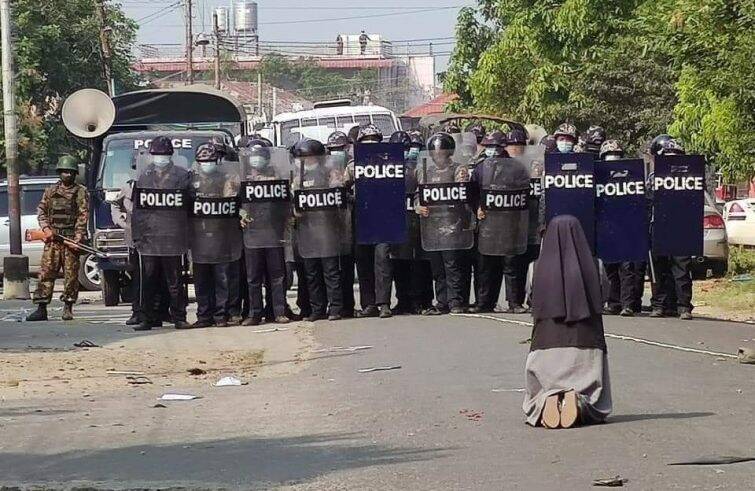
<point x="637" y="67"/>
<point x="741" y="260"/>
<point x="57" y="51"/>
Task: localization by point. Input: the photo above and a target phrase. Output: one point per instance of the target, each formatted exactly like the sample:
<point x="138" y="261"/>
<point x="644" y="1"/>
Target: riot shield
<point x="466" y="148"/>
<point x="214" y="232"/>
<point x="444" y="192"/>
<point x="569" y="188"/>
<point x="504" y="192"/>
<point x="411" y="248"/>
<point x="533" y="157"/>
<point x="678" y="205"/>
<point x="322" y="221"/>
<point x="265" y="196"/>
<point x="379" y="193"/>
<point x="159" y="221"/>
<point x="621" y="220"/>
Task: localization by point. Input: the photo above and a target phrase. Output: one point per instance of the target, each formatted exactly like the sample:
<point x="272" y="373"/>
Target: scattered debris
<point x="336" y="349"/>
<point x="746" y="356"/>
<point x="611" y="482"/>
<point x="138" y="380"/>
<point x="474" y="416"/>
<point x="378" y="369"/>
<point x="15" y="316"/>
<point x="116" y="372"/>
<point x="158" y="405"/>
<point x="272" y="329"/>
<point x="525" y="341"/>
<point x="228" y="382"/>
<point x="520" y="389"/>
<point x="743" y="277"/>
<point x="196" y="371"/>
<point x="715" y="460"/>
<point x="178" y="397"/>
<point x="85" y="343"/>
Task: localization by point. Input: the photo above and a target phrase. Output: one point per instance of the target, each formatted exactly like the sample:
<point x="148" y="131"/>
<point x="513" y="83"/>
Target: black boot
<point x="38" y="315"/>
<point x="68" y="311"/>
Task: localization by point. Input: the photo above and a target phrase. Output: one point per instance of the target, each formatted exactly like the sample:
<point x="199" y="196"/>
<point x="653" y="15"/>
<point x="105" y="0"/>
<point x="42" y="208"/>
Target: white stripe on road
<point x="610" y="335"/>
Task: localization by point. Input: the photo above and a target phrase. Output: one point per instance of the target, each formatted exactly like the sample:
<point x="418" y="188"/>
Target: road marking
<point x="611" y="336"/>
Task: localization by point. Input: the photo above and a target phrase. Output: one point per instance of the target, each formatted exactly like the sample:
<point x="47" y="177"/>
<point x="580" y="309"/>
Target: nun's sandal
<point x="569" y="410"/>
<point x="551" y="417"/>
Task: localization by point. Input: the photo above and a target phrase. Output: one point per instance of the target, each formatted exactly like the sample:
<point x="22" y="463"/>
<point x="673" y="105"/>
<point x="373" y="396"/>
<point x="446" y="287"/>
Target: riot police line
<point x="441" y="228"/>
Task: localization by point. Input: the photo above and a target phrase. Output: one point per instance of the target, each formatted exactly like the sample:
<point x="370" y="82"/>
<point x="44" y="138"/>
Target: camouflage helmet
<point x="67" y="163"/>
<point x="161" y="146"/>
<point x="566" y="129"/>
<point x="207" y="152"/>
<point x="338" y="139"/>
<point x="595" y="135"/>
<point x="369" y="132"/>
<point x="610" y="146"/>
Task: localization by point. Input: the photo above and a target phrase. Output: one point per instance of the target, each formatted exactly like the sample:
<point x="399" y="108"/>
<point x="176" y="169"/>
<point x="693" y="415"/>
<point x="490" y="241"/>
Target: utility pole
<point x="259" y="89"/>
<point x="105" y="47"/>
<point x="216" y="32"/>
<point x="189" y="44"/>
<point x="16" y="266"/>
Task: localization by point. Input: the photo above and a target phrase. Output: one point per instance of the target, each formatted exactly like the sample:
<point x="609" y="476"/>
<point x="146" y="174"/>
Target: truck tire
<point x="111" y="287"/>
<point x="90" y="276"/>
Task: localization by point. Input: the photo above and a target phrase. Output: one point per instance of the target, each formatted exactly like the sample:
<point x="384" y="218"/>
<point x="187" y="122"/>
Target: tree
<point x="57" y="51"/>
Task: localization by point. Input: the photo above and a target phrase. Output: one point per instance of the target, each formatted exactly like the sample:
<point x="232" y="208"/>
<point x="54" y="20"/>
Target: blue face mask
<point x="491" y="151"/>
<point x="208" y="167"/>
<point x="412" y="153"/>
<point x="565" y="146"/>
<point x="258" y="162"/>
<point x="161" y="161"/>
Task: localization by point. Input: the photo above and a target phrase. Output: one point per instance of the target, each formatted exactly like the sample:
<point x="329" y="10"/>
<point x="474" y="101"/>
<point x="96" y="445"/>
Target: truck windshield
<point x="121" y="155"/>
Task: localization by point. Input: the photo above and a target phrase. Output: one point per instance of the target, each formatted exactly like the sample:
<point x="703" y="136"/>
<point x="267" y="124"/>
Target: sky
<point x="162" y="21"/>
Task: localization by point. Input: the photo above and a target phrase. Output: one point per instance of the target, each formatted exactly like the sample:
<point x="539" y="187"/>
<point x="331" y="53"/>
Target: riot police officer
<point x="623" y="278"/>
<point x="340" y="150"/>
<point x="594" y="139"/>
<point x="322" y="231"/>
<point x="447" y="230"/>
<point x="566" y="138"/>
<point x="159" y="227"/>
<point x="62" y="212"/>
<point x="672" y="289"/>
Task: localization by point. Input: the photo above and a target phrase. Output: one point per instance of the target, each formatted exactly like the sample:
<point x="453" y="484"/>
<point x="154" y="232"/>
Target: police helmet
<point x="441" y="141"/>
<point x="369" y="132"/>
<point x="207" y="152"/>
<point x="67" y="163"/>
<point x="354" y="133"/>
<point x="401" y="137"/>
<point x="450" y="128"/>
<point x="259" y="151"/>
<point x="549" y="142"/>
<point x="161" y="146"/>
<point x="259" y="138"/>
<point x="595" y="135"/>
<point x="258" y="142"/>
<point x="338" y="139"/>
<point x="308" y="148"/>
<point x="478" y="129"/>
<point x="495" y="138"/>
<point x="657" y="144"/>
<point x="671" y="147"/>
<point x="516" y="136"/>
<point x="416" y="140"/>
<point x="568" y="130"/>
<point x="610" y="147"/>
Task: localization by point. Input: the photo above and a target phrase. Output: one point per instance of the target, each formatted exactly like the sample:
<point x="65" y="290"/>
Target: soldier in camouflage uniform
<point x="63" y="211"/>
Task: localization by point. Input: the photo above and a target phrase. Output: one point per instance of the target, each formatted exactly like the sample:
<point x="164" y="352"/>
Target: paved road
<point x="447" y="419"/>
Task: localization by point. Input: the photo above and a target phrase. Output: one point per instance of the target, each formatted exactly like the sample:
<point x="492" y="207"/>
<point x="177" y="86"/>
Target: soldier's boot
<point x="38" y="315"/>
<point x="68" y="311"/>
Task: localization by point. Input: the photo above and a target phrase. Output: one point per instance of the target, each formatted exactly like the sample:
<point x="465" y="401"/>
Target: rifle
<point x="36" y="234"/>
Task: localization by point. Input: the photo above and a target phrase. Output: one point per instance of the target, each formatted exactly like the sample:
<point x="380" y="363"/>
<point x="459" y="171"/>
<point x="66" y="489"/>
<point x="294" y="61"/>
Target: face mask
<point x="491" y="151"/>
<point x="564" y="146"/>
<point x="258" y="162"/>
<point x="613" y="157"/>
<point x="338" y="156"/>
<point x="412" y="154"/>
<point x="208" y="167"/>
<point x="161" y="161"/>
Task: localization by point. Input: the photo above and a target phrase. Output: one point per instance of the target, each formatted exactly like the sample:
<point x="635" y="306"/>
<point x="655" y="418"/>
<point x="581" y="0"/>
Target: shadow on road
<point x="627" y="418"/>
<point x="249" y="462"/>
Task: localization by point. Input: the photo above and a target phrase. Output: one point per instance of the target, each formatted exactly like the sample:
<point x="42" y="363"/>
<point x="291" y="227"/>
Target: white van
<point x="330" y="116"/>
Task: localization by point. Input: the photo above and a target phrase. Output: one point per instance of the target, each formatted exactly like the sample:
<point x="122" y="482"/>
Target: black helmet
<point x="441" y="141"/>
<point x="417" y="140"/>
<point x="207" y="152"/>
<point x="308" y="148"/>
<point x="495" y="138"/>
<point x="450" y="128"/>
<point x="478" y="129"/>
<point x="516" y="136"/>
<point x="401" y="137"/>
<point x="161" y="146"/>
<point x="671" y="147"/>
<point x="657" y="144"/>
<point x="338" y="139"/>
<point x="258" y="142"/>
<point x="595" y="136"/>
<point x="549" y="141"/>
<point x="259" y="151"/>
<point x="369" y="132"/>
<point x="354" y="133"/>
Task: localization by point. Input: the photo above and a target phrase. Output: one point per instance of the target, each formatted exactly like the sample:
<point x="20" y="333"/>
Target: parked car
<point x="740" y="221"/>
<point x="715" y="258"/>
<point x="32" y="189"/>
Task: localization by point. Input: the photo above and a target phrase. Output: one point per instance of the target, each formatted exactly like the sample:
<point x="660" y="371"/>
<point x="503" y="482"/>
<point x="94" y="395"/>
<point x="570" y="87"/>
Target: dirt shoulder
<point x="723" y="298"/>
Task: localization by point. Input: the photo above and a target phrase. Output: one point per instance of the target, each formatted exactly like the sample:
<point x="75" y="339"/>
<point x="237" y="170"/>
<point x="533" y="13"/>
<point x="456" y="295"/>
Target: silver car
<point x="32" y="189"/>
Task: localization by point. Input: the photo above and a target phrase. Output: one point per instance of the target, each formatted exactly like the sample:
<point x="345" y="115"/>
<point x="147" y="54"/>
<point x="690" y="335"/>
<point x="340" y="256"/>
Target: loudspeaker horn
<point x="88" y="113"/>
